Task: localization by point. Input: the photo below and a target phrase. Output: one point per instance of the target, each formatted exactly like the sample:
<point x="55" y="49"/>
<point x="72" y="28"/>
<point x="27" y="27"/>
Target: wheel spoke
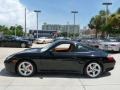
<point x="97" y="70"/>
<point x="94" y="74"/>
<point x="24" y="66"/>
<point x="22" y="69"/>
<point x="91" y="67"/>
<point x="28" y="66"/>
<point x="25" y="72"/>
<point x="94" y="66"/>
<point x="89" y="71"/>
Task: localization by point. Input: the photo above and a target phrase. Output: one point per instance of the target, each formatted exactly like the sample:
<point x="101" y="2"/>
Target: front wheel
<point x="93" y="70"/>
<point x="25" y="69"/>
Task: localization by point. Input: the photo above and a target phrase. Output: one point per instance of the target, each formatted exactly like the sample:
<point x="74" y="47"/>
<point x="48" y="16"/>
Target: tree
<point x="118" y="11"/>
<point x="19" y="30"/>
<point x="4" y="29"/>
<point x="11" y="30"/>
<point x="97" y="22"/>
<point x="114" y="22"/>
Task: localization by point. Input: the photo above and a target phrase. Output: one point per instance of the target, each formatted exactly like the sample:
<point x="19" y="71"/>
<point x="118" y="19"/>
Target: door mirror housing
<point x="51" y="52"/>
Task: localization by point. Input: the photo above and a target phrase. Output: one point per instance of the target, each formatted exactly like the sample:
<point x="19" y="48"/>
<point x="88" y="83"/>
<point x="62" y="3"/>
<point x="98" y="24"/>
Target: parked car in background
<point x="62" y="55"/>
<point x="92" y="42"/>
<point x="61" y="38"/>
<point x="77" y="40"/>
<point x="95" y="42"/>
<point x="29" y="39"/>
<point x="43" y="40"/>
<point x="13" y="41"/>
<point x="110" y="45"/>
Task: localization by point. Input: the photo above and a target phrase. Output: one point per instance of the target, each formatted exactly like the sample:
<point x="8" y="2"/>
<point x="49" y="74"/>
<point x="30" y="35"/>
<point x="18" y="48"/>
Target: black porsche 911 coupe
<point x="63" y="55"/>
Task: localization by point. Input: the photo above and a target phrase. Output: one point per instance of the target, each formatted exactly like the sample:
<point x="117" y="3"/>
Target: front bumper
<point x="9" y="66"/>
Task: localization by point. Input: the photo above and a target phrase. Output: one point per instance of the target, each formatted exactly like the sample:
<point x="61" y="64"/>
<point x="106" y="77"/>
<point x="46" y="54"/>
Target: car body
<point x="110" y="46"/>
<point x="43" y="40"/>
<point x="12" y="41"/>
<point x="63" y="55"/>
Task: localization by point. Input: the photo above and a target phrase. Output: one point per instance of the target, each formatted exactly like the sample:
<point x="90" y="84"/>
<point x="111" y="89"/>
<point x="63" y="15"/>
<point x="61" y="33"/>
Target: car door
<point x="63" y="60"/>
<point x="82" y="54"/>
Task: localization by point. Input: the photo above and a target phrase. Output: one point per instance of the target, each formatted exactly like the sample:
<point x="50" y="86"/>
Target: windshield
<point x="47" y="47"/>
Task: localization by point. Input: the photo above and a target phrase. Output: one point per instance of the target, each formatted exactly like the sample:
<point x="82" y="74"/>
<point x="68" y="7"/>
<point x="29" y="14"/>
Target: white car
<point x="110" y="46"/>
<point x="43" y="40"/>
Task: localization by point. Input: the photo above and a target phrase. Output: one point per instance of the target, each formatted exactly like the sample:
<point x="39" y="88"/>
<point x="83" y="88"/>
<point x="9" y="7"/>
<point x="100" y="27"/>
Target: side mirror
<point x="51" y="52"/>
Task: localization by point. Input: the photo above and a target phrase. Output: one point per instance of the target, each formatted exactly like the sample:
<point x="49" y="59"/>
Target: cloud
<point x="12" y="12"/>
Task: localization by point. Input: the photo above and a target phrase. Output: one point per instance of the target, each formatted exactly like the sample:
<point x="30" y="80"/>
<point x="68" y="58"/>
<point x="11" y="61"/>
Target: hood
<point x="31" y="50"/>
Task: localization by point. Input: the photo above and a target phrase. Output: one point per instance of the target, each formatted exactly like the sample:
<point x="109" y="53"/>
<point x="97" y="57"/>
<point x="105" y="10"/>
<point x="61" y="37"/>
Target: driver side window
<point x="63" y="48"/>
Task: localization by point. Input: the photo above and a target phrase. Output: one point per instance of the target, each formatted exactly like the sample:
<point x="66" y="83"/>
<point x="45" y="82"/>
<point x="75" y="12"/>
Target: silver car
<point x="110" y="45"/>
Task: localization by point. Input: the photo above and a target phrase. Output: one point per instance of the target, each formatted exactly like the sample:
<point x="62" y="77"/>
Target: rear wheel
<point x="26" y="69"/>
<point x="93" y="70"/>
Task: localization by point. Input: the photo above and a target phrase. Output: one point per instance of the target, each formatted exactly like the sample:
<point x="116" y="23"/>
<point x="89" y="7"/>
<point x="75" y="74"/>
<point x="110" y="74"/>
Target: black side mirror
<point x="51" y="52"/>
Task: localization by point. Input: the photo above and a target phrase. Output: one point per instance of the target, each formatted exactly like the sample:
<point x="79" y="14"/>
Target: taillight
<point x="110" y="58"/>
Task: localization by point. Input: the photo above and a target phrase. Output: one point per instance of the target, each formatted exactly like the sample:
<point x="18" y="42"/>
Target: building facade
<point x="61" y="28"/>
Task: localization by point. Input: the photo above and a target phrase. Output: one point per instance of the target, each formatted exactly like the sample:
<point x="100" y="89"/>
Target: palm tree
<point x="97" y="22"/>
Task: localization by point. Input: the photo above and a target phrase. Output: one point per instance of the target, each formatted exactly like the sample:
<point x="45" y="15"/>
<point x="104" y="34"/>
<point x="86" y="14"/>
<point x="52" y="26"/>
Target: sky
<point x="53" y="11"/>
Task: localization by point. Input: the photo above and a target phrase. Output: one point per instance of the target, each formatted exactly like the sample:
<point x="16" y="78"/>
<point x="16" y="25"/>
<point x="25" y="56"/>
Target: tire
<point x="23" y="45"/>
<point x="26" y="69"/>
<point x="93" y="70"/>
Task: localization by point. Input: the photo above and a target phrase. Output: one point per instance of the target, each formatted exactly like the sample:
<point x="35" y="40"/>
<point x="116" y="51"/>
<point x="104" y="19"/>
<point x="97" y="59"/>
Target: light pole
<point x="74" y="12"/>
<point x="37" y="12"/>
<point x="67" y="29"/>
<point x="15" y="30"/>
<point x="25" y="24"/>
<point x="107" y="10"/>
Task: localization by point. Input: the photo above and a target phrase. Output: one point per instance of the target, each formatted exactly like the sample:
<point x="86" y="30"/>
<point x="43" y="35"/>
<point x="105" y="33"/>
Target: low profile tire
<point x="26" y="69"/>
<point x="23" y="45"/>
<point x="93" y="70"/>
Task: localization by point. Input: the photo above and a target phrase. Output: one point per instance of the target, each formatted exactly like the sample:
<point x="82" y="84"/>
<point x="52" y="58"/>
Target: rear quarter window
<point x="81" y="48"/>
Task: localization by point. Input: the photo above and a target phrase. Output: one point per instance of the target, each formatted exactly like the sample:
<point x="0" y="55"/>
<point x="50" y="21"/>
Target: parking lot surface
<point x="55" y="81"/>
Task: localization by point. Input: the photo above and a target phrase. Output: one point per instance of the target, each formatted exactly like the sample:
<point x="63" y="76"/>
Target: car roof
<point x="66" y="42"/>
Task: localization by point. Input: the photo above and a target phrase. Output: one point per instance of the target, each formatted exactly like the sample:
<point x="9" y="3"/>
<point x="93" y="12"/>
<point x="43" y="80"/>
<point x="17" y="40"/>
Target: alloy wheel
<point x="25" y="68"/>
<point x="93" y="69"/>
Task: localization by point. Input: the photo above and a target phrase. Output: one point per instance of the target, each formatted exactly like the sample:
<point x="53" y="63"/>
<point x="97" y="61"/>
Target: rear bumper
<point x="109" y="66"/>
